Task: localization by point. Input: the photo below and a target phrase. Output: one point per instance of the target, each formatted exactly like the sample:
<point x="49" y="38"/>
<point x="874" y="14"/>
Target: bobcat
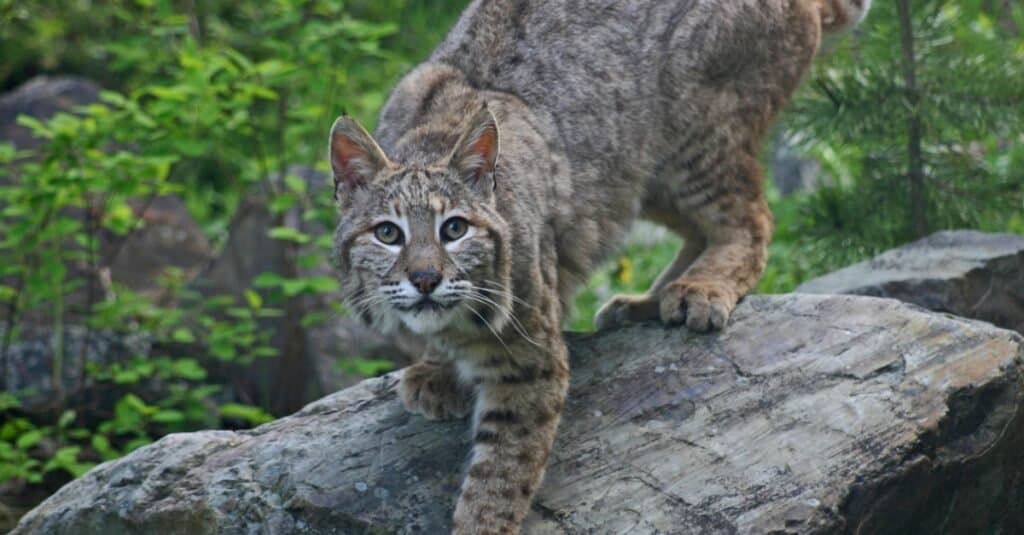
<point x="512" y="162"/>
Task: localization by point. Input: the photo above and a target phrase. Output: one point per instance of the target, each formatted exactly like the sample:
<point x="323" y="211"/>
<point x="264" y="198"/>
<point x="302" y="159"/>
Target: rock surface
<point x="968" y="273"/>
<point x="824" y="414"/>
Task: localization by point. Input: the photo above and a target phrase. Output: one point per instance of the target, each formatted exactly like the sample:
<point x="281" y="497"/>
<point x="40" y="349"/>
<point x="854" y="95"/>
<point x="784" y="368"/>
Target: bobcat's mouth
<point x="427" y="316"/>
<point x="426" y="304"/>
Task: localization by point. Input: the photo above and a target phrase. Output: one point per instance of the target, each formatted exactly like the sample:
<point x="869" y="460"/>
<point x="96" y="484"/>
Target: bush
<point x="207" y="101"/>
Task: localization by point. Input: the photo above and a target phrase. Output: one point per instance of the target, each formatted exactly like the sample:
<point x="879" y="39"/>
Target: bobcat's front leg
<point x="517" y="412"/>
<point x="433" y="389"/>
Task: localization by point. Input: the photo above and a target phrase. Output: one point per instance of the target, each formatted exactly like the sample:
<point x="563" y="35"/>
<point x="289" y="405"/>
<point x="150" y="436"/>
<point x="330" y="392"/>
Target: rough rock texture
<point x="825" y="414"/>
<point x="965" y="272"/>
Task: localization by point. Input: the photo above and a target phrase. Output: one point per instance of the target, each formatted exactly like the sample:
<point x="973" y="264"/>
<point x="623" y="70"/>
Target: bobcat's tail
<point x="839" y="15"/>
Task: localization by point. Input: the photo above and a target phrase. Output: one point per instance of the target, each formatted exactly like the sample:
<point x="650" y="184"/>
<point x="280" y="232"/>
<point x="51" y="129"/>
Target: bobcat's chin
<point x="428" y="320"/>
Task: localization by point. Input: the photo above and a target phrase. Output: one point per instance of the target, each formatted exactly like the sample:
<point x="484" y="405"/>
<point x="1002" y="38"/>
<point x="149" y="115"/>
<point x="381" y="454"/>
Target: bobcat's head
<point x="421" y="244"/>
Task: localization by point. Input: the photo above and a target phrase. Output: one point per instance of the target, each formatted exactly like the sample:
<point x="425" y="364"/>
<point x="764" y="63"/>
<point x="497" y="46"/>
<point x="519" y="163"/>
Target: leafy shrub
<point x="208" y="101"/>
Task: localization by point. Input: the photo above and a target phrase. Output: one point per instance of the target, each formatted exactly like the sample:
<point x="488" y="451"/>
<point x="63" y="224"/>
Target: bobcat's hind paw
<point x="432" y="390"/>
<point x="702" y="305"/>
<point x="625" y="309"/>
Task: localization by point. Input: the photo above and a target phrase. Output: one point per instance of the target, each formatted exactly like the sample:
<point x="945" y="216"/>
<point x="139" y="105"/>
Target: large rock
<point x="965" y="272"/>
<point x="42" y="97"/>
<point x="824" y="414"/>
<point x="166" y="237"/>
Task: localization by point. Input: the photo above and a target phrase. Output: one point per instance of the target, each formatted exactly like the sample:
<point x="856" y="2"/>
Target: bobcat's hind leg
<point x="731" y="212"/>
<point x="433" y="390"/>
<point x="624" y="309"/>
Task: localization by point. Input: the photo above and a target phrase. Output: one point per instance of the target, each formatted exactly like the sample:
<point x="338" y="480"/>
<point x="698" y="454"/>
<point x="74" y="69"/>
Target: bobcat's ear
<point x="477" y="150"/>
<point x="355" y="156"/>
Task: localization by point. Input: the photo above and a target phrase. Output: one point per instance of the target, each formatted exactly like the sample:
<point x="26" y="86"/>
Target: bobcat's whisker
<point x="491" y="328"/>
<point x="501" y="290"/>
<point x="513" y="320"/>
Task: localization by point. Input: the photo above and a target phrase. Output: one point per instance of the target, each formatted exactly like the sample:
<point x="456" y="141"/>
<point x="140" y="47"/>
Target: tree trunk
<point x="917" y="224"/>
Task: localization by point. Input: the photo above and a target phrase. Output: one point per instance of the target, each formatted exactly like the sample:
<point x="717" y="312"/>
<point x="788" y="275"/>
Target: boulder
<point x="968" y="273"/>
<point x="167" y="236"/>
<point x="42" y="97"/>
<point x="823" y="414"/>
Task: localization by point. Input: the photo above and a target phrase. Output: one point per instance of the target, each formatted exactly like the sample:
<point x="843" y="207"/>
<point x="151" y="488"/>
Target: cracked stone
<point x="858" y="415"/>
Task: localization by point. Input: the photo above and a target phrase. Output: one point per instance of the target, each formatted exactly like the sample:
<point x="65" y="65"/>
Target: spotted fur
<point x="547" y="127"/>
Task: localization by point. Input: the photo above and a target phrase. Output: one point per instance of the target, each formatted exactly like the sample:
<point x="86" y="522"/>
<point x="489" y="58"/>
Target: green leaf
<point x="125" y="377"/>
<point x="189" y="369"/>
<point x="223" y="349"/>
<point x="365" y="367"/>
<point x="7" y="293"/>
<point x="254" y="299"/>
<point x="281" y="203"/>
<point x="66" y="418"/>
<point x="267" y="280"/>
<point x="169" y="416"/>
<point x="296" y="184"/>
<point x="322" y="284"/>
<point x="8" y="401"/>
<point x="35" y="125"/>
<point x="253" y="415"/>
<point x="289" y="234"/>
<point x="101" y="444"/>
<point x="293" y="287"/>
<point x="313" y="318"/>
<point x="28" y="439"/>
<point x="183" y="335"/>
<point x="119" y="218"/>
<point x="137" y="443"/>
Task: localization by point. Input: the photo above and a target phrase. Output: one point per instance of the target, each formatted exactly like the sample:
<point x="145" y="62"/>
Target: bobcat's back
<point x="622" y="79"/>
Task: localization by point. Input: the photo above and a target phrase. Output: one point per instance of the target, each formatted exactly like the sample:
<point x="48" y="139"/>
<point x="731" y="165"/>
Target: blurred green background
<point x="209" y="100"/>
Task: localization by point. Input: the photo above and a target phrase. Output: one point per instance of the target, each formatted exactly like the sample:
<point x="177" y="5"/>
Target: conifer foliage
<point x="918" y="120"/>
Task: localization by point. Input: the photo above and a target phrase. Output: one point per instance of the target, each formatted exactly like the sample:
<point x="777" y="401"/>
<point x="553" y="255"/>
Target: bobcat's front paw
<point x="702" y="305"/>
<point x="624" y="309"/>
<point x="432" y="389"/>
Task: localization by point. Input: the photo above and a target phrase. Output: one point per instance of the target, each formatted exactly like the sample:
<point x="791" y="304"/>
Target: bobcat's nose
<point x="425" y="280"/>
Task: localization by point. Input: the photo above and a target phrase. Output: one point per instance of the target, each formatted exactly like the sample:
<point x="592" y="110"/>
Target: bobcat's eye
<point x="454" y="229"/>
<point x="388" y="233"/>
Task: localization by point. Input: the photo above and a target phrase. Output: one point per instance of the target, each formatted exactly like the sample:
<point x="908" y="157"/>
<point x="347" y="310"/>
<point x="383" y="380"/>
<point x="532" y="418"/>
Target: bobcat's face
<point x="420" y="246"/>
